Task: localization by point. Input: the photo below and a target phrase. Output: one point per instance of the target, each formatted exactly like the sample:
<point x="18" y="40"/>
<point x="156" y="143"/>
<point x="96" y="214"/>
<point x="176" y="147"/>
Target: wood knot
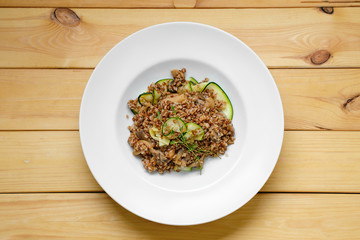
<point x="66" y="17"/>
<point x="327" y="10"/>
<point x="352" y="104"/>
<point x="319" y="57"/>
<point x="322" y="128"/>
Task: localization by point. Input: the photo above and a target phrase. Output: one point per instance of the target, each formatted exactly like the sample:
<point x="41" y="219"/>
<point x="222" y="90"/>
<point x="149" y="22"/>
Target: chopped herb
<point x="170" y="133"/>
<point x="197" y="160"/>
<point x="173" y="109"/>
<point x="193" y="148"/>
<point x="159" y="115"/>
<point x="208" y="152"/>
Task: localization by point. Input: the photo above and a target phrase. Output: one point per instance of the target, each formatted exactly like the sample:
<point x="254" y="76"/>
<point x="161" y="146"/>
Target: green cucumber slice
<point x="186" y="169"/>
<point x="221" y="95"/>
<point x="173" y="125"/>
<point x="199" y="87"/>
<point x="166" y="80"/>
<point x="156" y="96"/>
<point x="145" y="97"/>
<point x="193" y="80"/>
<point x="194" y="132"/>
<point x="156" y="135"/>
<point x="186" y="88"/>
<point x="134" y="111"/>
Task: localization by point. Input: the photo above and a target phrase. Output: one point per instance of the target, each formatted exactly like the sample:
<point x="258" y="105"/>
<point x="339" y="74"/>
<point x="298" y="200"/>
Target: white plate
<point x="225" y="184"/>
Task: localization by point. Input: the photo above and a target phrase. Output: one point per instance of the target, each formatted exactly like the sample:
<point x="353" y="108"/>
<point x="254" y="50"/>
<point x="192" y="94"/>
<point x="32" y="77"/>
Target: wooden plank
<point x="90" y="3"/>
<point x="311" y="161"/>
<point x="313" y="99"/>
<point x="290" y="37"/>
<point x="317" y="162"/>
<point x="96" y="216"/>
<point x="43" y="162"/>
<point x="40" y="98"/>
<point x="274" y="3"/>
<point x="320" y="99"/>
<point x="178" y="3"/>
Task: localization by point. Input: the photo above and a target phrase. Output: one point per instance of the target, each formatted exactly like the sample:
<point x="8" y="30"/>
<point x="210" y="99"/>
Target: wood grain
<point x="35" y="163"/>
<point x="274" y="3"/>
<point x="183" y="3"/>
<point x="40" y="98"/>
<point x="53" y="161"/>
<point x="267" y="216"/>
<point x="319" y="99"/>
<point x="48" y="99"/>
<point x="43" y="162"/>
<point x="317" y="162"/>
<point x="290" y="37"/>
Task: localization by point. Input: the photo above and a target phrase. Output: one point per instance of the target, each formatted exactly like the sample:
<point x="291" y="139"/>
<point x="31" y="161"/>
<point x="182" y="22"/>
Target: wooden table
<point x="47" y="54"/>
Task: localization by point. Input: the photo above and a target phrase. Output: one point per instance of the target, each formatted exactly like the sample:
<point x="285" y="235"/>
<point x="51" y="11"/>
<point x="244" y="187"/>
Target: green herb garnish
<point x="173" y="142"/>
<point x="159" y="115"/>
<point x="193" y="148"/>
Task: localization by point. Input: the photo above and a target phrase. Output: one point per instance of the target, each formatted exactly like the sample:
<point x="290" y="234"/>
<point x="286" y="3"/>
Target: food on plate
<point x="178" y="123"/>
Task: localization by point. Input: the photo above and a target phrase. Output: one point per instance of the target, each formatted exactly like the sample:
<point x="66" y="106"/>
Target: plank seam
<point x="357" y="4"/>
<point x="261" y="192"/>
<point x="92" y="68"/>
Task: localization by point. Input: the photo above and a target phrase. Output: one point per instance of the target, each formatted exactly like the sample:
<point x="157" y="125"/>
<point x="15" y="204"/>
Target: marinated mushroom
<point x="158" y="155"/>
<point x="209" y="102"/>
<point x="176" y="98"/>
<point x="141" y="135"/>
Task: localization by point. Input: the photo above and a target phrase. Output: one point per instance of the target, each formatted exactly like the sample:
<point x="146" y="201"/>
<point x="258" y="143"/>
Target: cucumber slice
<point x="193" y="80"/>
<point x="156" y="135"/>
<point x="166" y="80"/>
<point x="186" y="169"/>
<point x="194" y="132"/>
<point x="156" y="96"/>
<point x="221" y="95"/>
<point x="186" y="88"/>
<point x="173" y="125"/>
<point x="145" y="97"/>
<point x="134" y="111"/>
<point x="199" y="87"/>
